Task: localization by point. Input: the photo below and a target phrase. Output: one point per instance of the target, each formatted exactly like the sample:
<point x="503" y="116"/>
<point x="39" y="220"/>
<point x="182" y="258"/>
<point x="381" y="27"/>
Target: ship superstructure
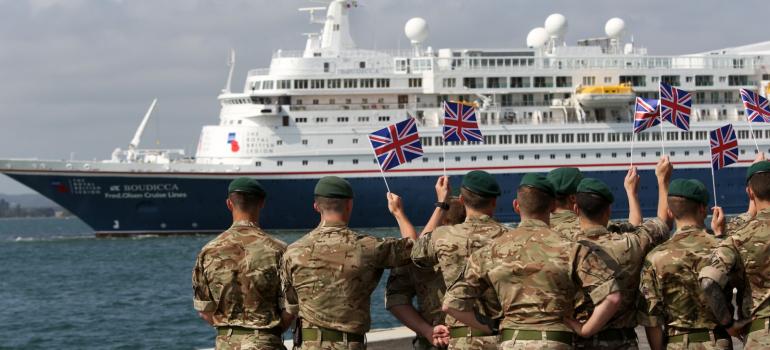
<point x="545" y="105"/>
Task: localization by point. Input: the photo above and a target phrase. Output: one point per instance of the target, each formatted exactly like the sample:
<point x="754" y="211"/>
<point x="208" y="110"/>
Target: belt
<point x="757" y="325"/>
<point x="559" y="336"/>
<point x="463" y="332"/>
<point x="235" y="330"/>
<point x="699" y="336"/>
<point x="616" y="334"/>
<point x="324" y="334"/>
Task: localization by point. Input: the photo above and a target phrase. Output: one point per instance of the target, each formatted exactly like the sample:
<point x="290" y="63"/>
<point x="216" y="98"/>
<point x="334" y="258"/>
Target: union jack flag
<point x="757" y="107"/>
<point x="646" y="115"/>
<point x="396" y="144"/>
<point x="460" y="123"/>
<point x="675" y="106"/>
<point x="724" y="147"/>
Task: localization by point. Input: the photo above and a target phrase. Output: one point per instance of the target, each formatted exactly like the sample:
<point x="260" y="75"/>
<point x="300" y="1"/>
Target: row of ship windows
<point x="520" y="157"/>
<point x="303" y="84"/>
<point x="500" y="82"/>
<point x="570" y="138"/>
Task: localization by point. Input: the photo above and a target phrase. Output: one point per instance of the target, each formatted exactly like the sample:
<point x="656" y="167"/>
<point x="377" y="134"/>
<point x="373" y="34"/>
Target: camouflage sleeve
<point x="290" y="299"/>
<point x="595" y="275"/>
<point x="736" y="222"/>
<point x="202" y="300"/>
<point x="651" y="310"/>
<point x="423" y="254"/>
<point x="652" y="233"/>
<point x="400" y="288"/>
<point x="723" y="261"/>
<point x="471" y="284"/>
<point x="392" y="252"/>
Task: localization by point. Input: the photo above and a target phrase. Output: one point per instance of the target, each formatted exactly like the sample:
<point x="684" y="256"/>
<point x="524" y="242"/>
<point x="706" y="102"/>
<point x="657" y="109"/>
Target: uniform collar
<point x="532" y="223"/>
<point x="687" y="231"/>
<point x="564" y="212"/>
<point x="241" y="223"/>
<point x="331" y="223"/>
<point x="764" y="214"/>
<point x="482" y="218"/>
<point x="596" y="231"/>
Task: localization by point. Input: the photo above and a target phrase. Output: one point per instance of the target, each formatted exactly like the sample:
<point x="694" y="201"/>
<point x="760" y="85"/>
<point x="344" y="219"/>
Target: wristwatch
<point x="442" y="205"/>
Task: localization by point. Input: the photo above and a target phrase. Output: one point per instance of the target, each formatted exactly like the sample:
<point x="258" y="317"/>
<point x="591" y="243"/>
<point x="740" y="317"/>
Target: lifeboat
<point x="593" y="96"/>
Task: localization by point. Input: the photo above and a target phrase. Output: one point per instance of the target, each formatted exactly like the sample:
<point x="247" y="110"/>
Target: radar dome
<point x="537" y="37"/>
<point x="556" y="25"/>
<point x="416" y="29"/>
<point x="614" y="27"/>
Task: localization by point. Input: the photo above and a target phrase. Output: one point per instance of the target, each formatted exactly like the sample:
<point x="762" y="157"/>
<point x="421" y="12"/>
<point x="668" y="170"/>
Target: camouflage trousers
<point x="718" y="344"/>
<point x="758" y="340"/>
<point x="474" y="343"/>
<point x="534" y="345"/>
<point x="332" y="345"/>
<point x="595" y="344"/>
<point x="259" y="341"/>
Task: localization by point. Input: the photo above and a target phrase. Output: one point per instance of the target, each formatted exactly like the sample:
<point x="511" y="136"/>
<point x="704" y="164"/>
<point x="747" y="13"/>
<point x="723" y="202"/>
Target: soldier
<point x="331" y="272"/>
<point x="235" y="279"/>
<point x="745" y="254"/>
<point x="536" y="275"/>
<point x="426" y="285"/>
<point x="672" y="296"/>
<point x="625" y="251"/>
<point x="565" y="181"/>
<point x="449" y="248"/>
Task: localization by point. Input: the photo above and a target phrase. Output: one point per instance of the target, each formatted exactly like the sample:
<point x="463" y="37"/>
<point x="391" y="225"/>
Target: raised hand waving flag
<point x="460" y="123"/>
<point x="675" y="106"/>
<point x="646" y="114"/>
<point x="396" y="144"/>
<point x="724" y="147"/>
<point x="757" y="107"/>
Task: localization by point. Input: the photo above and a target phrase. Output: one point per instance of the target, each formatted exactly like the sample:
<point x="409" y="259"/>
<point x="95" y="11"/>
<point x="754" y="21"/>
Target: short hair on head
<point x="760" y="185"/>
<point x="562" y="201"/>
<point x="456" y="213"/>
<point x="533" y="201"/>
<point x="244" y="201"/>
<point x="591" y="205"/>
<point x="336" y="205"/>
<point x="474" y="200"/>
<point x="682" y="207"/>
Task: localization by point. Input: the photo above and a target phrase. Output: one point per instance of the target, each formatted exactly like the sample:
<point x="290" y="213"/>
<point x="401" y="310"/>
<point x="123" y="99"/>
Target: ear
<point x="316" y="208"/>
<point x="573" y="199"/>
<point x="750" y="192"/>
<point x="516" y="206"/>
<point x="669" y="213"/>
<point x="576" y="209"/>
<point x="461" y="200"/>
<point x="229" y="204"/>
<point x="349" y="205"/>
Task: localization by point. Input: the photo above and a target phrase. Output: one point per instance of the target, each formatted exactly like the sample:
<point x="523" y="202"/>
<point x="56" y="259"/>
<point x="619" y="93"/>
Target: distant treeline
<point x="13" y="210"/>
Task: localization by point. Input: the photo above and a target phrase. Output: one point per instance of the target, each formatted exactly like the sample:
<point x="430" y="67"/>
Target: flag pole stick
<point x="756" y="144"/>
<point x="714" y="184"/>
<point x="443" y="138"/>
<point x="662" y="139"/>
<point x="381" y="171"/>
<point x="633" y="139"/>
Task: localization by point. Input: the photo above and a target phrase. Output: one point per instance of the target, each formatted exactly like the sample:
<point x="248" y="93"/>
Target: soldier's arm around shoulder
<point x="595" y="271"/>
<point x="652" y="233"/>
<point x="423" y="253"/>
<point x="724" y="260"/>
<point x="400" y="288"/>
<point x="388" y="252"/>
<point x="651" y="298"/>
<point x="290" y="301"/>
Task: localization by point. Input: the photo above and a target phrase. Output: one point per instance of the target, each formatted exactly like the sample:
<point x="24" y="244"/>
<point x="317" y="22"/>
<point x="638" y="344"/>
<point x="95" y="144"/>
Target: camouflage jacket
<point x="236" y="278"/>
<point x="565" y="222"/>
<point x="426" y="284"/>
<point x="536" y="275"/>
<point x="330" y="273"/>
<point x="736" y="222"/>
<point x="670" y="286"/>
<point x="450" y="246"/>
<point x="745" y="255"/>
<point x="627" y="251"/>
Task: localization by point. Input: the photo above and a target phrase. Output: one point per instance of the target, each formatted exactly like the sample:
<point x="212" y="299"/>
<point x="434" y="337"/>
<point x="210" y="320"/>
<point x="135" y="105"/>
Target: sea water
<point x="62" y="288"/>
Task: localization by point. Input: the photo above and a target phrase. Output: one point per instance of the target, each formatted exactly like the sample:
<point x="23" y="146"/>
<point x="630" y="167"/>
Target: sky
<point x="76" y="76"/>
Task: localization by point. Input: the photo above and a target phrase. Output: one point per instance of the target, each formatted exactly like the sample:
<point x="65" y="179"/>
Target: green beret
<point x="246" y="185"/>
<point x="333" y="187"/>
<point x="539" y="182"/>
<point x="691" y="189"/>
<point x="481" y="183"/>
<point x="756" y="168"/>
<point x="596" y="186"/>
<point x="565" y="180"/>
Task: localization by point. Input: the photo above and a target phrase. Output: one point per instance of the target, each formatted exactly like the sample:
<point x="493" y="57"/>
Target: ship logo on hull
<point x="60" y="187"/>
<point x="234" y="147"/>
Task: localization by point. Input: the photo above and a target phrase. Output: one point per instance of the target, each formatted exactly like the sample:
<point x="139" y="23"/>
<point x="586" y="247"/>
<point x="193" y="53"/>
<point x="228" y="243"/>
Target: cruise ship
<point x="544" y="105"/>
